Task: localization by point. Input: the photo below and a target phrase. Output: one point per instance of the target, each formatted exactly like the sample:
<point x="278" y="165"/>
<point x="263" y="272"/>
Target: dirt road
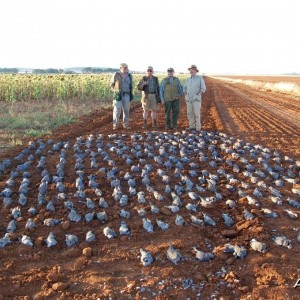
<point x="111" y="268"/>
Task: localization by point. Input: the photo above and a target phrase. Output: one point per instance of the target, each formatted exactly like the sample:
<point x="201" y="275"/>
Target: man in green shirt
<point x="170" y="92"/>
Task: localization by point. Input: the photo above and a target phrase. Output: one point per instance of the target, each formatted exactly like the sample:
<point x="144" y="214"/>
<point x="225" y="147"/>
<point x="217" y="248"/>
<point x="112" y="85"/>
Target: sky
<point x="233" y="36"/>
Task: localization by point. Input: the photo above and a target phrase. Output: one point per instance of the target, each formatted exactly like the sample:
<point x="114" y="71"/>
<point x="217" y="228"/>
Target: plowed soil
<point x="111" y="268"/>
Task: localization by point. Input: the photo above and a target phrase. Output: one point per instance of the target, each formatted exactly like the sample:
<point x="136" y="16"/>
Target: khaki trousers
<point x="194" y="114"/>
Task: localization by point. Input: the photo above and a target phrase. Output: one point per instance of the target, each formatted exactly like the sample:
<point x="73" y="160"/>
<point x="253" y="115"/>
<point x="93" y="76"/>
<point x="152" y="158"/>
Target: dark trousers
<point x="171" y="107"/>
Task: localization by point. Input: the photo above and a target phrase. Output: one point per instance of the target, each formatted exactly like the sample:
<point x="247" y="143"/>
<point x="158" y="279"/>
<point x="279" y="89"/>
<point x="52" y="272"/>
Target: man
<point x="170" y="92"/>
<point x="193" y="88"/>
<point x="121" y="84"/>
<point x="150" y="96"/>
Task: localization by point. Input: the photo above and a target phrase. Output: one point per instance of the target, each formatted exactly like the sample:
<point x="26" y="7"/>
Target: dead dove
<point x="12" y="226"/>
<point x="146" y="258"/>
<point x="208" y="220"/>
<point x="173" y="255"/>
<point x="258" y="246"/>
<point x="147" y="225"/>
<point x="154" y="209"/>
<point x="291" y="214"/>
<point x="203" y="256"/>
<point x="191" y="207"/>
<point x="124" y="214"/>
<point x="103" y="203"/>
<point x="293" y="202"/>
<point x="269" y="213"/>
<point x="109" y="233"/>
<point x="50" y="240"/>
<point x="196" y="220"/>
<point x="141" y="197"/>
<point x="16" y="212"/>
<point x="230" y="203"/>
<point x="89" y="237"/>
<point x="71" y="240"/>
<point x="124" y="230"/>
<point x="173" y="208"/>
<point x="50" y="206"/>
<point x="248" y="215"/>
<point x="162" y="225"/>
<point x="158" y="196"/>
<point x="276" y="200"/>
<point x="228" y="221"/>
<point x="282" y="241"/>
<point x="74" y="216"/>
<point x="32" y="211"/>
<point x="237" y="251"/>
<point x="102" y="217"/>
<point x="179" y="220"/>
<point x="26" y="240"/>
<point x="30" y="224"/>
<point x="89" y="217"/>
<point x="193" y="196"/>
<point x="5" y="240"/>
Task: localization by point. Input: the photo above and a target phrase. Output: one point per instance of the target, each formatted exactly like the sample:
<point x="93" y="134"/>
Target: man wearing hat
<point x="150" y="96"/>
<point x="193" y="87"/>
<point x="170" y="92"/>
<point x="121" y="84"/>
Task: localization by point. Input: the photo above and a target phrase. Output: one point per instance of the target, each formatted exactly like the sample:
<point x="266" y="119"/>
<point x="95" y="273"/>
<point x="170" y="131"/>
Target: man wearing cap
<point x="150" y="96"/>
<point x="193" y="88"/>
<point x="170" y="92"/>
<point x="121" y="84"/>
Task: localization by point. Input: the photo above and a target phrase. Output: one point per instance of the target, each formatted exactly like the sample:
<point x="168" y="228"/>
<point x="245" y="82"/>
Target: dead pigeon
<point x="179" y="221"/>
<point x="147" y="225"/>
<point x="237" y="251"/>
<point x="5" y="240"/>
<point x="71" y="240"/>
<point x="196" y="220"/>
<point x="124" y="230"/>
<point x="282" y="241"/>
<point x="89" y="237"/>
<point x="228" y="221"/>
<point x="258" y="246"/>
<point x="50" y="240"/>
<point x="109" y="233"/>
<point x="203" y="256"/>
<point x="208" y="220"/>
<point x="26" y="240"/>
<point x="162" y="225"/>
<point x="173" y="255"/>
<point x="102" y="217"/>
<point x="291" y="214"/>
<point x="146" y="258"/>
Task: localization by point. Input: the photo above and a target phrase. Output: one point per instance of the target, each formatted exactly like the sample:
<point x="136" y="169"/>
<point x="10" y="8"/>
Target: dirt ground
<point x="111" y="268"/>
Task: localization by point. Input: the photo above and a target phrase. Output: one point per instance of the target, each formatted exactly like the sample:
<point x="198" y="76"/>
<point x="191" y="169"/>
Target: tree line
<point x="87" y="70"/>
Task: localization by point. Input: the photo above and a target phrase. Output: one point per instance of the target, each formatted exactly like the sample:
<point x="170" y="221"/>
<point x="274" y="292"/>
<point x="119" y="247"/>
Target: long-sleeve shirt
<point x="163" y="86"/>
<point x="193" y="87"/>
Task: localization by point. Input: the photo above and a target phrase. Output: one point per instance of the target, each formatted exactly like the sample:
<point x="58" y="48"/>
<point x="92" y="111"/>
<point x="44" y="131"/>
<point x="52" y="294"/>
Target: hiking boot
<point x="115" y="127"/>
<point x="145" y="124"/>
<point x="191" y="129"/>
<point x="126" y="126"/>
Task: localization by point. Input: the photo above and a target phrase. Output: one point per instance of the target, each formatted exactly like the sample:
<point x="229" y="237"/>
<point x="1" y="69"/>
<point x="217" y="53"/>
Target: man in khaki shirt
<point x="193" y="88"/>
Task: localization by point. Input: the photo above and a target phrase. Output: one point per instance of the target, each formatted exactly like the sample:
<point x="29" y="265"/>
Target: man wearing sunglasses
<point x="150" y="96"/>
<point x="121" y="84"/>
<point x="193" y="88"/>
<point x="170" y="92"/>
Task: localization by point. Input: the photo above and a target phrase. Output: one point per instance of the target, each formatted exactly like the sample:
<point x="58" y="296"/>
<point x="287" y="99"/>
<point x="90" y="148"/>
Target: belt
<point x="125" y="93"/>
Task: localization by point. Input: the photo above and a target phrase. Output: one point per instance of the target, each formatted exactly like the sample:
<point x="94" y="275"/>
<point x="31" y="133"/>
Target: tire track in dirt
<point x="250" y="115"/>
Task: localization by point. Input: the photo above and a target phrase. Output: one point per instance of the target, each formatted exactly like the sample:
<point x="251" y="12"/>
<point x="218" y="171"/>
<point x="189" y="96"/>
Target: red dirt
<point x="111" y="268"/>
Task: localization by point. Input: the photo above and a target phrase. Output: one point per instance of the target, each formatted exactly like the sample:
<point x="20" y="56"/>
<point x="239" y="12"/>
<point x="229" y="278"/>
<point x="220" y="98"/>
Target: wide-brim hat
<point x="193" y="67"/>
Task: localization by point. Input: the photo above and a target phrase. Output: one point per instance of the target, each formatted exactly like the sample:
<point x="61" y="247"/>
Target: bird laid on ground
<point x="179" y="220"/>
<point x="71" y="240"/>
<point x="50" y="240"/>
<point x="208" y="220"/>
<point x="237" y="251"/>
<point x="282" y="241"/>
<point x="90" y="236"/>
<point x="228" y="221"/>
<point x="291" y="214"/>
<point x="154" y="209"/>
<point x="26" y="240"/>
<point x="173" y="255"/>
<point x="146" y="258"/>
<point x="269" y="213"/>
<point x="5" y="240"/>
<point x="109" y="233"/>
<point x="196" y="220"/>
<point x="103" y="203"/>
<point x="147" y="225"/>
<point x="258" y="246"/>
<point x="102" y="217"/>
<point x="203" y="256"/>
<point x="74" y="216"/>
<point x="173" y="208"/>
<point x="30" y="224"/>
<point x="124" y="230"/>
<point x="162" y="225"/>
